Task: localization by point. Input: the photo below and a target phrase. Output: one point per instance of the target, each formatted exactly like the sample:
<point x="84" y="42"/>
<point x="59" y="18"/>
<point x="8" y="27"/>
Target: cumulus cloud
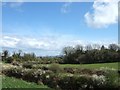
<point x="105" y="13"/>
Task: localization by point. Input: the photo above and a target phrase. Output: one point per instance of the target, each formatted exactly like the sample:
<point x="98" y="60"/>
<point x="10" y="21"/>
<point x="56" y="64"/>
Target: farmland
<point x="87" y="66"/>
<point x="76" y="69"/>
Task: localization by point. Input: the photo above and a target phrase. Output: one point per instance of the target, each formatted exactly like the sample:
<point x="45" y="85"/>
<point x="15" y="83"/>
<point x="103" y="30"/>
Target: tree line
<point x="71" y="55"/>
<point x="91" y="54"/>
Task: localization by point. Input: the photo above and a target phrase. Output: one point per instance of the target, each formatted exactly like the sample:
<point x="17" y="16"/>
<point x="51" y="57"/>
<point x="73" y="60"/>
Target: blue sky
<point x="45" y="28"/>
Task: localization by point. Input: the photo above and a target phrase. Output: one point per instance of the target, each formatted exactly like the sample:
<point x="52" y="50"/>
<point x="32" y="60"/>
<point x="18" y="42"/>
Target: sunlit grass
<point x="87" y="66"/>
<point x="11" y="82"/>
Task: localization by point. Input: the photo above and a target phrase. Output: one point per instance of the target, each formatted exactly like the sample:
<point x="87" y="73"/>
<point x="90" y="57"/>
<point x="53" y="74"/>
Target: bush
<point x="9" y="60"/>
<point x="69" y="70"/>
<point x="55" y="68"/>
<point x="112" y="79"/>
<point x="40" y="67"/>
<point x="66" y="81"/>
<point x="15" y="63"/>
<point x="27" y="65"/>
<point x="29" y="76"/>
<point x="50" y="79"/>
<point x="15" y="72"/>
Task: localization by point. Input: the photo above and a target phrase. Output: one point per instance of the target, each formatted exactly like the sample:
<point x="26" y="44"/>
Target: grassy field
<point x="88" y="66"/>
<point x="92" y="66"/>
<point x="10" y="82"/>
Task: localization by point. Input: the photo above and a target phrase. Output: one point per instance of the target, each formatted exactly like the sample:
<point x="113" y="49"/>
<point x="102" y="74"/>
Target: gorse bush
<point x="15" y="72"/>
<point x="27" y="65"/>
<point x="51" y="80"/>
<point x="65" y="81"/>
<point x="9" y="60"/>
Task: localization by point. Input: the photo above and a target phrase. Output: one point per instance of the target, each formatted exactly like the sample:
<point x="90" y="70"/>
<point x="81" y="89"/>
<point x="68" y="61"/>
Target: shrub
<point x="32" y="75"/>
<point x="27" y="65"/>
<point x="69" y="70"/>
<point x="15" y="63"/>
<point x="55" y="68"/>
<point x="51" y="80"/>
<point x="15" y="72"/>
<point x="9" y="60"/>
<point x="29" y="76"/>
<point x="66" y="81"/>
<point x="112" y="79"/>
<point x="40" y="67"/>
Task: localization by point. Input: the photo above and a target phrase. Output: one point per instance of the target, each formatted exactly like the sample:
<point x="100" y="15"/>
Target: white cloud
<point x="66" y="7"/>
<point x="105" y="13"/>
<point x="16" y="4"/>
<point x="9" y="41"/>
<point x="49" y="43"/>
<point x="46" y="43"/>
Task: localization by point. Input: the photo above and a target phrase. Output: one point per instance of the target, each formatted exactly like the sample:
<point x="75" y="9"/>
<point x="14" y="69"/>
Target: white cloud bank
<point x="46" y="43"/>
<point x="105" y="13"/>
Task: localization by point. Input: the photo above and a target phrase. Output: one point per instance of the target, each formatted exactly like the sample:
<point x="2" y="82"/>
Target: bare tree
<point x="113" y="47"/>
<point x="68" y="50"/>
<point x="88" y="47"/>
<point x="79" y="47"/>
<point x="96" y="46"/>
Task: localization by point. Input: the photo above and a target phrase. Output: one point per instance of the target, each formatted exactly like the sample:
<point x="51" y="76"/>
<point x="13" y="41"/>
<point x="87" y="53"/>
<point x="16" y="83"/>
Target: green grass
<point x="92" y="66"/>
<point x="87" y="66"/>
<point x="10" y="82"/>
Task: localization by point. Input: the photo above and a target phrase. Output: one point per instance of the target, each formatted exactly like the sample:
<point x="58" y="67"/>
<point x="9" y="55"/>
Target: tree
<point x="19" y="53"/>
<point x="68" y="50"/>
<point x="79" y="48"/>
<point x="96" y="46"/>
<point x="5" y="54"/>
<point x="16" y="56"/>
<point x="102" y="47"/>
<point x="113" y="47"/>
<point x="88" y="47"/>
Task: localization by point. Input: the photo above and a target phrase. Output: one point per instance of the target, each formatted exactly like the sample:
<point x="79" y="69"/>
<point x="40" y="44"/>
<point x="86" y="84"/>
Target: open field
<point x="88" y="66"/>
<point x="10" y="82"/>
<point x="92" y="66"/>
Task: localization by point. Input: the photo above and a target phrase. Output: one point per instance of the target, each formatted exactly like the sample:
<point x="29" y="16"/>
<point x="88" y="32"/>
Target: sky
<point x="45" y="28"/>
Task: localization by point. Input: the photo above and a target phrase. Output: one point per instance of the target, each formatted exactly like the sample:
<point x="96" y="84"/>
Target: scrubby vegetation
<point x="67" y="81"/>
<point x="88" y="67"/>
<point x="71" y="55"/>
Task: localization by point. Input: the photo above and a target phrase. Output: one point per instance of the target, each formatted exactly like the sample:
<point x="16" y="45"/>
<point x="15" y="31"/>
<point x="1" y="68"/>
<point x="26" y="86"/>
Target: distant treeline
<point x="91" y="54"/>
<point x="71" y="55"/>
